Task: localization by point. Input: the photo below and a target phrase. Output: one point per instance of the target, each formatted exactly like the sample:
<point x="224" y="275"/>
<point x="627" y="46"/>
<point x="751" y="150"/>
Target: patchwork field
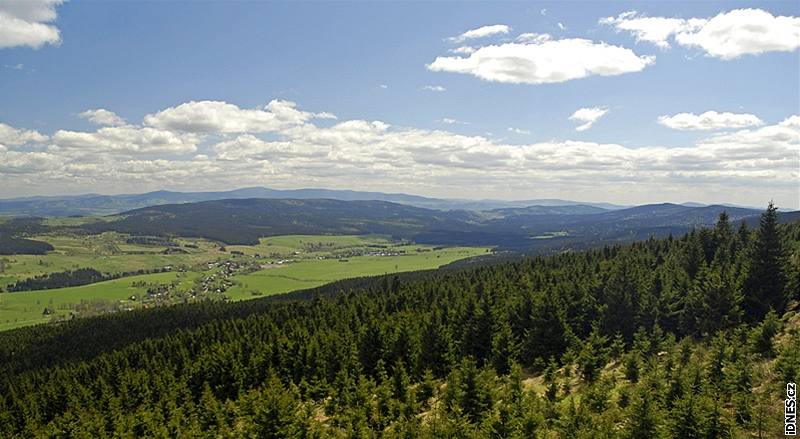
<point x="309" y="273"/>
<point x="27" y="307"/>
<point x="200" y="270"/>
<point x="107" y="252"/>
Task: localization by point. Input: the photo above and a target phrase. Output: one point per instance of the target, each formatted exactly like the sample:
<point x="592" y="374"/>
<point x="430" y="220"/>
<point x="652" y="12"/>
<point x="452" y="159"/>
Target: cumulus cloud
<point x="588" y="116"/>
<point x="361" y="153"/>
<point x="25" y="23"/>
<point x="15" y="163"/>
<point x="728" y="35"/>
<point x="11" y="136"/>
<point x="543" y="60"/>
<point x="482" y="32"/>
<point x="436" y="88"/>
<point x="710" y="120"/>
<point x="223" y="117"/>
<point x="778" y="142"/>
<point x="126" y="139"/>
<point x="462" y="50"/>
<point x="102" y="117"/>
<point x="655" y="30"/>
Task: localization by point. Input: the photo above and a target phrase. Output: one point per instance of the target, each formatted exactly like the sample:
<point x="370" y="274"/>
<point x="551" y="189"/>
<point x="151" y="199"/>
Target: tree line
<point x="73" y="278"/>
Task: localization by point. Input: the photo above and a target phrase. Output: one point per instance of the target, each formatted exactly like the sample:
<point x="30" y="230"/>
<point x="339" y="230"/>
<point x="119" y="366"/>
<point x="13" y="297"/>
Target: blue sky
<point x="372" y="62"/>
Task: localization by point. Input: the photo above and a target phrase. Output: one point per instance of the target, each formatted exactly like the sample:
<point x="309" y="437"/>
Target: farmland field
<point x="26" y="307"/>
<point x="275" y="265"/>
<point x="309" y="273"/>
<point x="107" y="252"/>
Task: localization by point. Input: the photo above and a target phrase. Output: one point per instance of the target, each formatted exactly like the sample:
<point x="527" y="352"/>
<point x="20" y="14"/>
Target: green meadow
<point x="276" y="265"/>
<point x="309" y="273"/>
<point x="26" y="307"/>
<point x="107" y="252"/>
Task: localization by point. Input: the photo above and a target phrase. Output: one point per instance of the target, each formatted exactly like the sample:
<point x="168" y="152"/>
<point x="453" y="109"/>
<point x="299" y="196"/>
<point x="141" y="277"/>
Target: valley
<point x="159" y="271"/>
<point x="396" y="220"/>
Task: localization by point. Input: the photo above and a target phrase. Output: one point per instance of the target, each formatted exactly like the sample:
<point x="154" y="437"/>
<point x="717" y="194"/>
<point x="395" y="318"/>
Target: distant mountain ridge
<point x="94" y="204"/>
<point x="554" y="228"/>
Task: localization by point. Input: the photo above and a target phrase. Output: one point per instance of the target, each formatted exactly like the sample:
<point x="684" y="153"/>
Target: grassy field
<point x="26" y="308"/>
<point x="276" y="265"/>
<point x="311" y="273"/>
<point x="107" y="252"/>
<point x="287" y="245"/>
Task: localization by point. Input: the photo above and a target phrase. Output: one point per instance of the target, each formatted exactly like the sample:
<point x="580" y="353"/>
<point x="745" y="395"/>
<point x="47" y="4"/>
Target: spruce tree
<point x="764" y="287"/>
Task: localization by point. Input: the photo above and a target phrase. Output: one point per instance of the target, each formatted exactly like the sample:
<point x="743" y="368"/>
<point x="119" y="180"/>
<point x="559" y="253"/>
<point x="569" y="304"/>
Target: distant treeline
<point x="246" y="221"/>
<point x="12" y="241"/>
<point x="151" y="240"/>
<point x="23" y="246"/>
<point x="72" y="278"/>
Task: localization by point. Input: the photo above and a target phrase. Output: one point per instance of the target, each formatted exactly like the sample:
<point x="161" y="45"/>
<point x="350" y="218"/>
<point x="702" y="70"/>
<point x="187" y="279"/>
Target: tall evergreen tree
<point x="766" y="279"/>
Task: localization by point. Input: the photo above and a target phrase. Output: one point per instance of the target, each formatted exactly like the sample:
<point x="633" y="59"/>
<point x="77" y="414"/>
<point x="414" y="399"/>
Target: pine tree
<point x="764" y="287"/>
<point x="504" y="348"/>
<point x="593" y="355"/>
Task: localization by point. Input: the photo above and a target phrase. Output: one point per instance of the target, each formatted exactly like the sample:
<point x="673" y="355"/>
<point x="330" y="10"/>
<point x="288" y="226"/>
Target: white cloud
<point x="728" y="35"/>
<point x="710" y="120"/>
<point x="518" y="130"/>
<point x="740" y="166"/>
<point x="14" y="163"/>
<point x="11" y="136"/>
<point x="462" y="50"/>
<point x="656" y="30"/>
<point x="325" y="115"/>
<point x="436" y="88"/>
<point x="544" y="61"/>
<point x="451" y="121"/>
<point x="222" y="117"/>
<point x="102" y="117"/>
<point x="482" y="32"/>
<point x="531" y="37"/>
<point x="588" y="116"/>
<point x="24" y="23"/>
<point x="126" y="140"/>
<point x="779" y="142"/>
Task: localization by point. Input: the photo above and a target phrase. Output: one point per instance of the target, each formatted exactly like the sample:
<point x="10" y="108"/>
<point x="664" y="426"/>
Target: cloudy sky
<point x="620" y="102"/>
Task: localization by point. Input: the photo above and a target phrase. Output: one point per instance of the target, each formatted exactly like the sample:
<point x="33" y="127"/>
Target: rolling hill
<point x="95" y="204"/>
<point x="541" y="228"/>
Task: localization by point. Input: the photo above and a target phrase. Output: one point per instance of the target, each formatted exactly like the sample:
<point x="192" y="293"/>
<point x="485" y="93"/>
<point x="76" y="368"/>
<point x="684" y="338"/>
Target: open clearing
<point x="276" y="265"/>
<point x="27" y="307"/>
<point x="109" y="253"/>
<point x="311" y="273"/>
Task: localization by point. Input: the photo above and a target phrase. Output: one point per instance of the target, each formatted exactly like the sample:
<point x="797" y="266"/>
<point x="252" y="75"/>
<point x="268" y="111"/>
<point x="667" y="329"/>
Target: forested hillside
<point x="11" y="241"/>
<point x="94" y="204"/>
<point x="245" y="221"/>
<point x="686" y="337"/>
<point x="540" y="229"/>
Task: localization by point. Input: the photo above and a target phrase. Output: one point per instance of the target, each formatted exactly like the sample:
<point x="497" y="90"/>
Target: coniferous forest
<point x="692" y="337"/>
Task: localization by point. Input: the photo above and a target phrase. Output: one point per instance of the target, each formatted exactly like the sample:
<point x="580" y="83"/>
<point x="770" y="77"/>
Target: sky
<point x="630" y="103"/>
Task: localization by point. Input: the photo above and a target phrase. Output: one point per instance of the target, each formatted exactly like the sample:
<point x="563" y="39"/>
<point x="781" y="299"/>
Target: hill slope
<point x="243" y="221"/>
<point x="636" y="341"/>
<point x="94" y="204"/>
